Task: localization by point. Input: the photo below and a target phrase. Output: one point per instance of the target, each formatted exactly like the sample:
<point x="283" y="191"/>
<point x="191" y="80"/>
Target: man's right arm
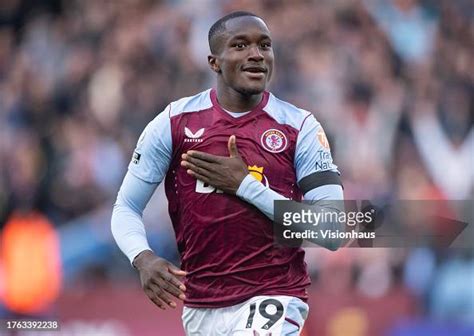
<point x="127" y="224"/>
<point x="157" y="275"/>
<point x="150" y="162"/>
<point x="148" y="166"/>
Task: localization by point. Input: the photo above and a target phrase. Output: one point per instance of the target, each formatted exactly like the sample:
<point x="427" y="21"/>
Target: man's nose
<point x="255" y="54"/>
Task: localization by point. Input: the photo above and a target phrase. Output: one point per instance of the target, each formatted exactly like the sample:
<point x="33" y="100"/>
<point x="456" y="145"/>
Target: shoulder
<point x="196" y="103"/>
<point x="287" y="113"/>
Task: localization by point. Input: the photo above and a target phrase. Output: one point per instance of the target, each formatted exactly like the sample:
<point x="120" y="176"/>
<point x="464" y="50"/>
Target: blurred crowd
<point x="391" y="81"/>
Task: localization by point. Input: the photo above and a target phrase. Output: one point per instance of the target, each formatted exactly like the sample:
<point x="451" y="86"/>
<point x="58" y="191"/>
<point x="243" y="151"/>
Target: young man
<point x="226" y="154"/>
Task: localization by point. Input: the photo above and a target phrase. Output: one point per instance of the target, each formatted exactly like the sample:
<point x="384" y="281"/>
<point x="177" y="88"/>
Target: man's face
<point x="245" y="57"/>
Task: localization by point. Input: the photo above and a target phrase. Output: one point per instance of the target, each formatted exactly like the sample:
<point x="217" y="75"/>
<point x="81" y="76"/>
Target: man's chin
<point x="251" y="90"/>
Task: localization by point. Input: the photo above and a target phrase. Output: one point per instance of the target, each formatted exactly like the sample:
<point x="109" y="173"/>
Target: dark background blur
<point x="391" y="81"/>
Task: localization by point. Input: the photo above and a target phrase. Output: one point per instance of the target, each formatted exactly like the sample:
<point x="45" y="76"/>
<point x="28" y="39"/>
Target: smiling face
<point x="244" y="57"/>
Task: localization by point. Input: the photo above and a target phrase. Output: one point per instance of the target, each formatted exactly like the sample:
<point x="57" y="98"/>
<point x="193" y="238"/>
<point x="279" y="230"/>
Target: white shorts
<point x="258" y="316"/>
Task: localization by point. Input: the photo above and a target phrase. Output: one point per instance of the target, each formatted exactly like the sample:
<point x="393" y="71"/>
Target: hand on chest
<point x="265" y="146"/>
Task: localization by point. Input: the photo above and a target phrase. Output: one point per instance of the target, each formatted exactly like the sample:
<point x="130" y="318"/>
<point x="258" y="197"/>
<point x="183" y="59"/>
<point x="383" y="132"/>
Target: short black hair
<point x="219" y="27"/>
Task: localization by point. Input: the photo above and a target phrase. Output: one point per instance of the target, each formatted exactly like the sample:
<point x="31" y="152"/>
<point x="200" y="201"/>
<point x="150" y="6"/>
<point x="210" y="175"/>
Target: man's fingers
<point x="168" y="277"/>
<point x="205" y="156"/>
<point x="172" y="289"/>
<point x="196" y="172"/>
<point x="198" y="163"/>
<point x="196" y="169"/>
<point x="198" y="176"/>
<point x="160" y="285"/>
<point x="161" y="294"/>
<point x="232" y="146"/>
<point x="176" y="271"/>
<point x="154" y="298"/>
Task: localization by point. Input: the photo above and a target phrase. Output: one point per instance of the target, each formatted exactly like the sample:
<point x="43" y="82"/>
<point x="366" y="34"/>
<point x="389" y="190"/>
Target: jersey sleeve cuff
<point x="248" y="187"/>
<point x="136" y="251"/>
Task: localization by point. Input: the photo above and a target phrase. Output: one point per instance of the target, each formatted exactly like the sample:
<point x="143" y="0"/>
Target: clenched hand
<point x="221" y="172"/>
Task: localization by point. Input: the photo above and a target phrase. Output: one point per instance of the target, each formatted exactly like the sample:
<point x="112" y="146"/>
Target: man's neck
<point x="231" y="100"/>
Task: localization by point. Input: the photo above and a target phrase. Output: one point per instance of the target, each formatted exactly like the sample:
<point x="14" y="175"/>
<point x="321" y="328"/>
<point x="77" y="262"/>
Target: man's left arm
<point x="317" y="176"/>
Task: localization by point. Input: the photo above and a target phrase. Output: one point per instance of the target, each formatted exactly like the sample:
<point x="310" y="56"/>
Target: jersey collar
<point x="256" y="110"/>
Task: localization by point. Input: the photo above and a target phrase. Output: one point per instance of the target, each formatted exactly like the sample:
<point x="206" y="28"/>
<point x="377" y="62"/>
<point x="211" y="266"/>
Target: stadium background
<point x="391" y="81"/>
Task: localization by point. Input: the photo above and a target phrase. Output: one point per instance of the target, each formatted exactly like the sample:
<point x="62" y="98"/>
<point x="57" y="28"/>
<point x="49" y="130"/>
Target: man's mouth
<point x="255" y="72"/>
<point x="255" y="69"/>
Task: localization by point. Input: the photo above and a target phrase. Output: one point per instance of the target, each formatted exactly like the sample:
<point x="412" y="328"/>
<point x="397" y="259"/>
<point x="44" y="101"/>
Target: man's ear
<point x="213" y="63"/>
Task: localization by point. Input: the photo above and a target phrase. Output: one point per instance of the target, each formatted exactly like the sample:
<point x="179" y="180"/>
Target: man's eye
<point x="240" y="45"/>
<point x="266" y="45"/>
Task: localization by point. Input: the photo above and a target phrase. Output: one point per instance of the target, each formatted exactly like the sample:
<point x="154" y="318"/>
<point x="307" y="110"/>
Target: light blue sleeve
<point x="262" y="197"/>
<point x="313" y="153"/>
<point x="148" y="167"/>
<point x="127" y="225"/>
<point x="152" y="155"/>
<point x="329" y="192"/>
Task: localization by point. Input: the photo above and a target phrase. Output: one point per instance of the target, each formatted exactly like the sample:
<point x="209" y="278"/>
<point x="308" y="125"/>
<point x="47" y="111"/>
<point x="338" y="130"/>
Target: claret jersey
<point x="226" y="244"/>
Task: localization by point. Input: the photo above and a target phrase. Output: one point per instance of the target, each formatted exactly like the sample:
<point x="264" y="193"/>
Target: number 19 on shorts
<point x="270" y="309"/>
